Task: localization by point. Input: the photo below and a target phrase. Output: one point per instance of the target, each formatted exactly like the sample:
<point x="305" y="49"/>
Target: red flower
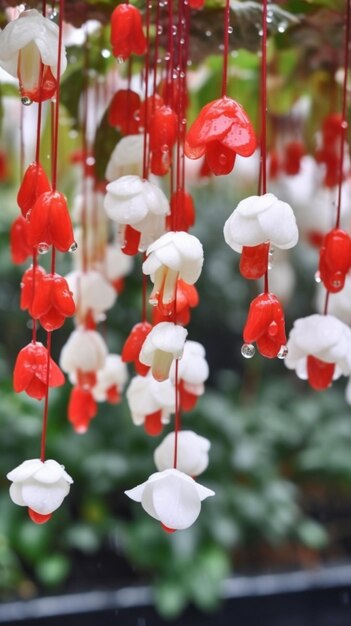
<point x="30" y="373"/>
<point x="50" y="222"/>
<point x="335" y="259"/>
<point x="294" y="151"/>
<point x="127" y="35"/>
<point x="27" y="287"/>
<point x="45" y="88"/>
<point x="153" y="425"/>
<point x="182" y="215"/>
<point x="123" y="111"/>
<point x="131" y="240"/>
<point x="34" y="183"/>
<point x="132" y="346"/>
<point x="81" y="409"/>
<point x="254" y="261"/>
<point x="187" y="298"/>
<point x="196" y="5"/>
<point x="187" y="400"/>
<point x="221" y="131"/>
<point x="52" y="302"/>
<point x="320" y="374"/>
<point x="163" y="131"/>
<point x="148" y="108"/>
<point x="265" y="325"/>
<point x="20" y="249"/>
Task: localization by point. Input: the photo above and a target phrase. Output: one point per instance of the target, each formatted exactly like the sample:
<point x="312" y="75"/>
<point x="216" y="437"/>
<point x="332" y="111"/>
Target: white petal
<point x="16" y="494"/>
<point x="176" y="501"/>
<point x="49" y="472"/>
<point x="42" y="498"/>
<point x="25" y="470"/>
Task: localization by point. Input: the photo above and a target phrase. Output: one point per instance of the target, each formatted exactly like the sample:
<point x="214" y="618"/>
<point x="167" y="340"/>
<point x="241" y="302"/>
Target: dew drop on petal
<point x="26" y="101"/>
<point x="43" y="247"/>
<point x="248" y="350"/>
<point x="283" y="352"/>
<point x="73" y="247"/>
<point x="317" y="277"/>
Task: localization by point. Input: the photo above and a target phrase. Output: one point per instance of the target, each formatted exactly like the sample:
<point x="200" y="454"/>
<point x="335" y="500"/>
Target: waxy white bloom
<point x="174" y="255"/>
<point x="171" y="497"/>
<point x="258" y="219"/>
<point x="42" y="486"/>
<point x="27" y="42"/>
<point x="85" y="351"/>
<point x="131" y="201"/>
<point x="323" y="337"/>
<point x="163" y="344"/>
<point x="338" y="303"/>
<point x="147" y="396"/>
<point x="126" y="158"/>
<point x="192" y="453"/>
<point x="193" y="368"/>
<point x="91" y="292"/>
<point x="113" y="376"/>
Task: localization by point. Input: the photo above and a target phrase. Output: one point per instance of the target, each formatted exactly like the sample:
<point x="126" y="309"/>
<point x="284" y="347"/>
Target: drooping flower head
<point x="133" y="345"/>
<point x="50" y="223"/>
<point x="122" y="112"/>
<point x="83" y="355"/>
<point x="163" y="344"/>
<point x="20" y="248"/>
<point x="52" y="301"/>
<point x="192" y="453"/>
<point x="163" y="131"/>
<point x="220" y="132"/>
<point x="265" y="326"/>
<point x="41" y="486"/>
<point x="82" y="408"/>
<point x="34" y="183"/>
<point x="30" y="373"/>
<point x="92" y="293"/>
<point x="127" y="35"/>
<point x="192" y="373"/>
<point x="178" y="311"/>
<point x="28" y="51"/>
<point x="126" y="159"/>
<point x="111" y="380"/>
<point x="171" y="497"/>
<point x="151" y="403"/>
<point x="335" y="259"/>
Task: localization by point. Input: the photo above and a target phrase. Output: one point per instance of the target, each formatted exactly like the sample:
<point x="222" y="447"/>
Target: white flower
<point x="91" y="292"/>
<point x="84" y="351"/>
<point x="146" y="397"/>
<point x="338" y="303"/>
<point x="192" y="453"/>
<point x="174" y="255"/>
<point x="112" y="377"/>
<point x="192" y="368"/>
<point x="131" y="201"/>
<point x="126" y="158"/>
<point x="171" y="497"/>
<point x="40" y="486"/>
<point x="258" y="219"/>
<point x="117" y="264"/>
<point x="323" y="337"/>
<point x="163" y="344"/>
<point x="27" y="42"/>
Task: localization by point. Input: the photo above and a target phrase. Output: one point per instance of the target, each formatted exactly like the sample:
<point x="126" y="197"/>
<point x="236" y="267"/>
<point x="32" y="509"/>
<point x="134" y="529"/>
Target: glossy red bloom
<point x="127" y="35"/>
<point x="34" y="183"/>
<point x="38" y="518"/>
<point x="30" y="372"/>
<point x="82" y="408"/>
<point x="148" y="108"/>
<point x="131" y="241"/>
<point x="123" y="111"/>
<point x="335" y="259"/>
<point x="20" y="249"/>
<point x="132" y="346"/>
<point x="171" y="91"/>
<point x="50" y="222"/>
<point x="187" y="298"/>
<point x="28" y="284"/>
<point x="153" y="424"/>
<point x="221" y="130"/>
<point x="265" y="325"/>
<point x="45" y="88"/>
<point x="182" y="216"/>
<point x="163" y="132"/>
<point x="254" y="261"/>
<point x="294" y="151"/>
<point x="113" y="395"/>
<point x="52" y="302"/>
<point x="320" y="374"/>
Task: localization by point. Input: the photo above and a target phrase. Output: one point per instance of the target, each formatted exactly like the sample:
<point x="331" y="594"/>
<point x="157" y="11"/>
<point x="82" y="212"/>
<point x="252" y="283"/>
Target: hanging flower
<point x="133" y="345"/>
<point x="122" y="112"/>
<point x="335" y="259"/>
<point x="20" y="248"/>
<point x="319" y="349"/>
<point x="265" y="326"/>
<point x="163" y="344"/>
<point x="111" y="380"/>
<point x="140" y="209"/>
<point x="171" y="497"/>
<point x="150" y="403"/>
<point x="178" y="311"/>
<point x="257" y="222"/>
<point x="163" y="133"/>
<point x="31" y="371"/>
<point x="52" y="301"/>
<point x="174" y="255"/>
<point x="28" y="51"/>
<point x="50" y="223"/>
<point x="92" y="293"/>
<point x="41" y="486"/>
<point x="220" y="132"/>
<point x="182" y="215"/>
<point x="127" y="35"/>
<point x="192" y="453"/>
<point x="126" y="159"/>
<point x="193" y="371"/>
<point x="34" y="183"/>
<point x="83" y="355"/>
<point x="82" y="408"/>
<point x="28" y="284"/>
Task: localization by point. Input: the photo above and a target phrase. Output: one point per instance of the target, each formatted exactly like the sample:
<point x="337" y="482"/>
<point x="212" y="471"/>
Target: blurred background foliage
<point x="280" y="459"/>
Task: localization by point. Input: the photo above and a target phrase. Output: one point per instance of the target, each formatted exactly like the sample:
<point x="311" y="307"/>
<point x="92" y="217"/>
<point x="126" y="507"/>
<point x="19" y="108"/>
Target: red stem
<point x="46" y="401"/>
<point x="344" y="107"/>
<point x="263" y="157"/>
<point x="226" y="47"/>
<point x="57" y="106"/>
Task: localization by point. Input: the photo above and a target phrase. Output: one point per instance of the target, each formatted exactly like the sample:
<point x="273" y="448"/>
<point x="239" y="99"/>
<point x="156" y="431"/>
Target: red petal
<point x="254" y="261"/>
<point x="131" y="240"/>
<point x="50" y="222"/>
<point x="187" y="400"/>
<point x="30" y="372"/>
<point x="20" y="249"/>
<point x="320" y="374"/>
<point x="34" y="183"/>
<point x="153" y="425"/>
<point x="219" y="158"/>
<point x="27" y="291"/>
<point x="134" y="341"/>
<point x="81" y="409"/>
<point x="163" y="128"/>
<point x="182" y="211"/>
<point x="62" y="297"/>
<point x="122" y="112"/>
<point x="38" y="518"/>
<point x="265" y="310"/>
<point x="335" y="259"/>
<point x="42" y="297"/>
<point x="127" y="32"/>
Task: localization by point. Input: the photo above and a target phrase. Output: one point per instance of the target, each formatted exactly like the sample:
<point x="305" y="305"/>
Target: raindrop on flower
<point x="317" y="277"/>
<point x="26" y="101"/>
<point x="247" y="350"/>
<point x="73" y="247"/>
<point x="43" y="247"/>
<point x="283" y="352"/>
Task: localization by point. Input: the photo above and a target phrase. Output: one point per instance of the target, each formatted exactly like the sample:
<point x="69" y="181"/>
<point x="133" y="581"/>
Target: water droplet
<point x="159" y="29"/>
<point x="260" y="32"/>
<point x="273" y="329"/>
<point x="174" y="30"/>
<point x="283" y="352"/>
<point x="317" y="277"/>
<point x="337" y="281"/>
<point x="26" y="101"/>
<point x="221" y="47"/>
<point x="165" y="149"/>
<point x="137" y="116"/>
<point x="105" y="53"/>
<point x="28" y="214"/>
<point x="222" y="159"/>
<point x="90" y="160"/>
<point x="73" y="247"/>
<point x="344" y="124"/>
<point x="208" y="33"/>
<point x="167" y="56"/>
<point x="43" y="247"/>
<point x="120" y="59"/>
<point x="248" y="350"/>
<point x="282" y="27"/>
<point x="230" y="29"/>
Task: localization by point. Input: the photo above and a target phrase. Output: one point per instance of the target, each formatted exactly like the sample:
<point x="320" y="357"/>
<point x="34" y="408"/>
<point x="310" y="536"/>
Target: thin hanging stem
<point x="46" y="401"/>
<point x="343" y="112"/>
<point x="177" y="425"/>
<point x="226" y="47"/>
<point x="263" y="156"/>
<point x="57" y="105"/>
